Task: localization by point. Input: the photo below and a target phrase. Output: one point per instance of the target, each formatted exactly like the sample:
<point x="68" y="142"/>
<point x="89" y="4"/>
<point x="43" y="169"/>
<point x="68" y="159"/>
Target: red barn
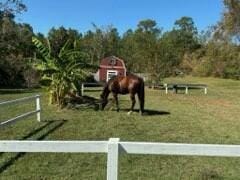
<point x="109" y="67"/>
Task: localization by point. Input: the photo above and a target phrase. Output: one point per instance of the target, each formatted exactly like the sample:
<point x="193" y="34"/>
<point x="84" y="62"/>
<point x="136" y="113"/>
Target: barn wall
<point x="103" y="73"/>
<point x="105" y="66"/>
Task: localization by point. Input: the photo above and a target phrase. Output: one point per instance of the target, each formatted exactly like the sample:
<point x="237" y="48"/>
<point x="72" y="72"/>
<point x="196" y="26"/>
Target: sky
<point x="42" y="15"/>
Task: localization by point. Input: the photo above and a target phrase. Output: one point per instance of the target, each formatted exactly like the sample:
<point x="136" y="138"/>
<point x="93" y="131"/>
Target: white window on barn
<point x="110" y="74"/>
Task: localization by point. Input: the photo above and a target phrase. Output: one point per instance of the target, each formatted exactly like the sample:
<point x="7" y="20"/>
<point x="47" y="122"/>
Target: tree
<point x="175" y="44"/>
<point x="88" y="46"/>
<point x="148" y="25"/>
<point x="186" y="24"/>
<point x="128" y="50"/>
<point x="15" y="49"/>
<point x="12" y="7"/>
<point x="93" y="44"/>
<point x="219" y="55"/>
<point x="186" y="33"/>
<point x="58" y="37"/>
<point x="147" y="37"/>
<point x="63" y="72"/>
<point x="101" y="42"/>
<point x="15" y="44"/>
<point x="229" y="25"/>
<point x="111" y="42"/>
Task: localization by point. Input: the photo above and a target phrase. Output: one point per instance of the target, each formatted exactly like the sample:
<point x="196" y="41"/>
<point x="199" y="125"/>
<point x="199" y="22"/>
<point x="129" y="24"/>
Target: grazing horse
<point x="131" y="84"/>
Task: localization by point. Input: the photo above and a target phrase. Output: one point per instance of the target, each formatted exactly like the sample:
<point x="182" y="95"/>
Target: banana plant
<point x="63" y="72"/>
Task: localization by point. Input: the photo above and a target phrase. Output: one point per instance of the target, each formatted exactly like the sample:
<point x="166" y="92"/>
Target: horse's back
<point x="125" y="84"/>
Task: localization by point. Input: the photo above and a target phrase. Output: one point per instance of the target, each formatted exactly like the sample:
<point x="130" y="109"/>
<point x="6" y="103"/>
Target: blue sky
<point x="122" y="14"/>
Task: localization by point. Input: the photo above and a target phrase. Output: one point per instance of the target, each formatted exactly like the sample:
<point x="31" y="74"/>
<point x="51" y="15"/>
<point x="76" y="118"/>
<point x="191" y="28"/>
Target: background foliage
<point x="146" y="49"/>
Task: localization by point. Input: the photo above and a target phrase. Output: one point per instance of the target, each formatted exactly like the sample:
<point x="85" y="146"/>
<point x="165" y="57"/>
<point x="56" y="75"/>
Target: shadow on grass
<point x="149" y="112"/>
<point x="83" y="102"/>
<point x="17" y="91"/>
<point x="93" y="90"/>
<point x="50" y="127"/>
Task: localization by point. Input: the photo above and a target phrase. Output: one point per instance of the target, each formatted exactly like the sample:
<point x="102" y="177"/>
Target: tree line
<point x="145" y="49"/>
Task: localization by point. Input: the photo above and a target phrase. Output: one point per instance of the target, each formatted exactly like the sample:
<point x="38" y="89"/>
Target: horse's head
<point x="104" y="98"/>
<point x="103" y="102"/>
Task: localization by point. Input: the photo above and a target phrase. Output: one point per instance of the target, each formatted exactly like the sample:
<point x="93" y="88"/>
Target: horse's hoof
<point x="129" y="113"/>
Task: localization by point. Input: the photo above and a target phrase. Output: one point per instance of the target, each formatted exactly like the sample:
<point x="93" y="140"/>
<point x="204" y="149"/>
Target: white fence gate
<point x="114" y="147"/>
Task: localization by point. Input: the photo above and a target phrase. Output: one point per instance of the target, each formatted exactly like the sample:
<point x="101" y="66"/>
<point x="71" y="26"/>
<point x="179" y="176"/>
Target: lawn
<point x="192" y="118"/>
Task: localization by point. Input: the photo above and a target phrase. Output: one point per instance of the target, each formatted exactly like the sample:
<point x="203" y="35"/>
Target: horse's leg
<point x="132" y="96"/>
<point x="116" y="100"/>
<point x="141" y="103"/>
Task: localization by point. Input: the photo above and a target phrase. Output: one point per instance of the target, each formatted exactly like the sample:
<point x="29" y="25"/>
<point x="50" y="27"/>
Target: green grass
<point x="192" y="118"/>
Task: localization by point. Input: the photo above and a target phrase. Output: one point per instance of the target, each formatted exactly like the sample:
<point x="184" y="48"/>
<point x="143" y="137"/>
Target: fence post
<point x="112" y="159"/>
<point x="82" y="89"/>
<point x="38" y="107"/>
<point x="205" y="90"/>
<point x="166" y="88"/>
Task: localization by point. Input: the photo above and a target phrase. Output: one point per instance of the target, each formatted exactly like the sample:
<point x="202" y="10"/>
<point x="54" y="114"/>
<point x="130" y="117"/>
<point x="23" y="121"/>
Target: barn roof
<point x="112" y="61"/>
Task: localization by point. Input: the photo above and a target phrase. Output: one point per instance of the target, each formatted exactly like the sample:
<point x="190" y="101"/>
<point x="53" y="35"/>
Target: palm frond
<point x="64" y="49"/>
<point x="45" y="52"/>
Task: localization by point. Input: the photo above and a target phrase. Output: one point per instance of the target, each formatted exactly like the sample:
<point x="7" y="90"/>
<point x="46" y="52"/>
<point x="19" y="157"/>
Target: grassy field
<point x="193" y="118"/>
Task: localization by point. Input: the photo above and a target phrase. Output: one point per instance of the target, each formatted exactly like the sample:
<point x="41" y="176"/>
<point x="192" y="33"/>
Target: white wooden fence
<point x="114" y="147"/>
<point x="22" y="116"/>
<point x="175" y="86"/>
<point x="85" y="85"/>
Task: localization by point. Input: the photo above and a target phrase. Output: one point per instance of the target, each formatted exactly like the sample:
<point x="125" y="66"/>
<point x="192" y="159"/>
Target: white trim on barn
<point x="111" y="73"/>
<point x="115" y="67"/>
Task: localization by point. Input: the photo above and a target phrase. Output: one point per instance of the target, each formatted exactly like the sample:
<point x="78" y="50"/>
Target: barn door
<point x="110" y="74"/>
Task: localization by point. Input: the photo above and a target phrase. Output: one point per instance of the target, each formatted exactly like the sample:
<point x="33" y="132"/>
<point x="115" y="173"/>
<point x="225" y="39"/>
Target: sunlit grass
<point x="192" y="118"/>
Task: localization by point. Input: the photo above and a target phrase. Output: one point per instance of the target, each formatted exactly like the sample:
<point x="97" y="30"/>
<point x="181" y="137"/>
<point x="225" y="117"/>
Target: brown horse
<point x="131" y="84"/>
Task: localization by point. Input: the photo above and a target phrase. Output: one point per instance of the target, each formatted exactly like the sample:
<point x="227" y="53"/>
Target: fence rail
<point x="85" y="85"/>
<point x="114" y="147"/>
<point x="37" y="111"/>
<point x="176" y="86"/>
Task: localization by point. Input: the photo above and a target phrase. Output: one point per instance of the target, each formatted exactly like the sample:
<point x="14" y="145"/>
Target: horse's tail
<point x="141" y="95"/>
